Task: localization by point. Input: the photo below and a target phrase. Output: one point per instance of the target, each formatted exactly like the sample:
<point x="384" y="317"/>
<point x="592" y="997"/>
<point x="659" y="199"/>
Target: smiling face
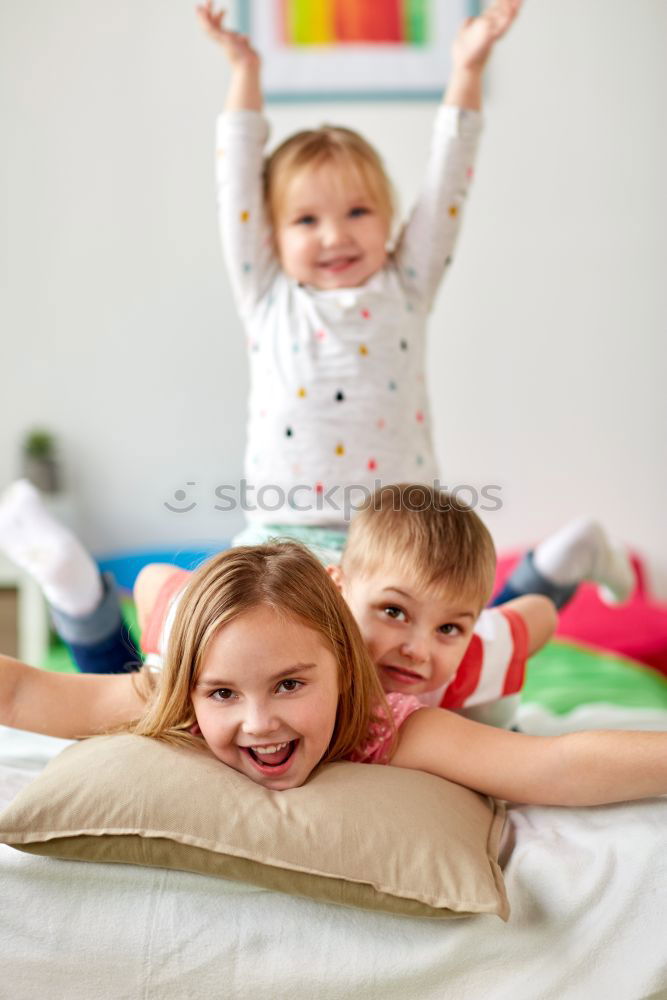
<point x="416" y="638"/>
<point x="329" y="232"/>
<point x="266" y="698"/>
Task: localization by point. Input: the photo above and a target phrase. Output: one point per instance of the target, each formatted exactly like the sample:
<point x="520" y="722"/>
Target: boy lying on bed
<point x="417" y="571"/>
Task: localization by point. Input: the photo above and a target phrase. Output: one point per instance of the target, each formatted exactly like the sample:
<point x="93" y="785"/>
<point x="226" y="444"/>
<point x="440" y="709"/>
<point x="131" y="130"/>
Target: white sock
<point x="581" y="551"/>
<point x="49" y="552"/>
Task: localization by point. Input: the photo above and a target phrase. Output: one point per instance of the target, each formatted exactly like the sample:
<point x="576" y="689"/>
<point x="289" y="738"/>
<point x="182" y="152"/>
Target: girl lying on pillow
<point x="267" y="668"/>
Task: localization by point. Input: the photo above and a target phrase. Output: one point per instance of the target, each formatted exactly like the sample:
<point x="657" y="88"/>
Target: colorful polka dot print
<point x="324" y="392"/>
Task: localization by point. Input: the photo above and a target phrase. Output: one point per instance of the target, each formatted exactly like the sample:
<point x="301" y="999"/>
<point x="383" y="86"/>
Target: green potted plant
<point x="39" y="460"/>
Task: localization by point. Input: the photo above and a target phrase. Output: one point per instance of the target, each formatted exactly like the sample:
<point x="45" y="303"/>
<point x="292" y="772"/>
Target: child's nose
<point x="333" y="232"/>
<point x="259" y="719"/>
<point x="416" y="648"/>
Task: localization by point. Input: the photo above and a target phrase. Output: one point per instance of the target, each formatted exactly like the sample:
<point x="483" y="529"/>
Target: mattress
<point x="588" y="890"/>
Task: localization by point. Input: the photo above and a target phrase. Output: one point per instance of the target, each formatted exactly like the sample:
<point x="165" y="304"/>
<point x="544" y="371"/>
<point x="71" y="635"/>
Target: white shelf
<point x="32" y="626"/>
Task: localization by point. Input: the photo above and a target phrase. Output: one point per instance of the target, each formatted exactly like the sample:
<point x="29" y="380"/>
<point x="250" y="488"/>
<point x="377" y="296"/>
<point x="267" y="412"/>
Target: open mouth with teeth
<point x="271" y="758"/>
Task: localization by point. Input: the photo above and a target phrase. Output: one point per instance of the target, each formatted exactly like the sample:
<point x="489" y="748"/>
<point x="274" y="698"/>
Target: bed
<point x="588" y="890"/>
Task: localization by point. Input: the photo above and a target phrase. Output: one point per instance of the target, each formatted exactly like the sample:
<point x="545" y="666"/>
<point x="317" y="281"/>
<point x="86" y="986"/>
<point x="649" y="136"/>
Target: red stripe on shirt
<point x="150" y="637"/>
<point x="516" y="671"/>
<point x="467" y="676"/>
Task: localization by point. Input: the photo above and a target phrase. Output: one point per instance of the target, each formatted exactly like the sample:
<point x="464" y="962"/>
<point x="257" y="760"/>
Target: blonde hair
<point x="426" y="533"/>
<point x="283" y="576"/>
<point x="329" y="144"/>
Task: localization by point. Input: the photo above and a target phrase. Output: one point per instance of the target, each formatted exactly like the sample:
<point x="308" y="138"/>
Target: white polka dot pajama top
<point x="338" y="402"/>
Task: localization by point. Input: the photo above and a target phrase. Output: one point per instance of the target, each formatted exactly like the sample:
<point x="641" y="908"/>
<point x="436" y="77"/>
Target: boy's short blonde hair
<point x="333" y="144"/>
<point x="426" y="534"/>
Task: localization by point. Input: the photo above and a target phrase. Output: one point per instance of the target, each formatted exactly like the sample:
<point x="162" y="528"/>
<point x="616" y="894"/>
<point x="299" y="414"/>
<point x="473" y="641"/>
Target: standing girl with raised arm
<point x="335" y="303"/>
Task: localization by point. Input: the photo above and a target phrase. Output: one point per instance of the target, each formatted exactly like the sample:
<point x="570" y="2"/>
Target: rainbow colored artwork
<point x="350" y="22"/>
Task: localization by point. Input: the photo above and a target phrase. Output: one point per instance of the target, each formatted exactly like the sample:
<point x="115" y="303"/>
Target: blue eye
<point x="358" y="211"/>
<point x="305" y="220"/>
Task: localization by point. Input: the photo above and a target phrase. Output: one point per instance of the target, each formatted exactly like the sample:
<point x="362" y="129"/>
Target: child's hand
<point x="477" y="36"/>
<point x="237" y="47"/>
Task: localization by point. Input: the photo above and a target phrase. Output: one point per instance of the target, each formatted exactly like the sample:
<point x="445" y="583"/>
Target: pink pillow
<point x="637" y="629"/>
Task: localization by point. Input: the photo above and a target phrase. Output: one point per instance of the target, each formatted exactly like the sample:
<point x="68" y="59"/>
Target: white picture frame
<point x="353" y="71"/>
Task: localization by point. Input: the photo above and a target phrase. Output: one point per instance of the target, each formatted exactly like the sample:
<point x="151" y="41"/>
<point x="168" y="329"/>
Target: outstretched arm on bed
<point x="577" y="769"/>
<point x="69" y="706"/>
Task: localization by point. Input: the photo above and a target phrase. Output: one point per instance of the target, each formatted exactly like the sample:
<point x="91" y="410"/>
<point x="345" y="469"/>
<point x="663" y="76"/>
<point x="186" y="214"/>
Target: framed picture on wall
<point x="316" y="50"/>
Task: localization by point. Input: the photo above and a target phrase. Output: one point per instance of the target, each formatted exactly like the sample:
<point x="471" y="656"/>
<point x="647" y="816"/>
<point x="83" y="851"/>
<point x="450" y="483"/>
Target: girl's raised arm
<point x="69" y="706"/>
<point x="471" y="50"/>
<point x="425" y="247"/>
<point x="578" y="769"/>
<point x="245" y="93"/>
<point x="241" y="136"/>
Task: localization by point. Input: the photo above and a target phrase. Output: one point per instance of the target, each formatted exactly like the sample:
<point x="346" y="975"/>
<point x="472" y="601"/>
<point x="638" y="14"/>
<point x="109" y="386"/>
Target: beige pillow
<point x="383" y="838"/>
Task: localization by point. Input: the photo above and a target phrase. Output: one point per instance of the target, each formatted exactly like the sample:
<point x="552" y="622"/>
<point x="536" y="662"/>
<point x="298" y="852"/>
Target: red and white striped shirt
<point x="492" y="668"/>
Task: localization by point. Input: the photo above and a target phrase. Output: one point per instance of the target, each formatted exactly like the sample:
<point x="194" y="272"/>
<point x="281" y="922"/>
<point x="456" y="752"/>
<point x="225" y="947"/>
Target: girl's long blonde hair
<point x="286" y="577"/>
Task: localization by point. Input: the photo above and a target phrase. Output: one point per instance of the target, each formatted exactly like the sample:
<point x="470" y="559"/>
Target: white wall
<point x="547" y="358"/>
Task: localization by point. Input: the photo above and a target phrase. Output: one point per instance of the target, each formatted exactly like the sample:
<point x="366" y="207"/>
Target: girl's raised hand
<point x="477" y="35"/>
<point x="237" y="47"/>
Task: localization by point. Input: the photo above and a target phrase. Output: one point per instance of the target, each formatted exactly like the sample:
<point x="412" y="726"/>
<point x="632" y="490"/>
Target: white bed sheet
<point x="588" y="890"/>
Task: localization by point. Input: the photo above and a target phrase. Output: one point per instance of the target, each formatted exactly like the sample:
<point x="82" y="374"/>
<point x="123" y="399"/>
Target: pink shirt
<point x="375" y="748"/>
